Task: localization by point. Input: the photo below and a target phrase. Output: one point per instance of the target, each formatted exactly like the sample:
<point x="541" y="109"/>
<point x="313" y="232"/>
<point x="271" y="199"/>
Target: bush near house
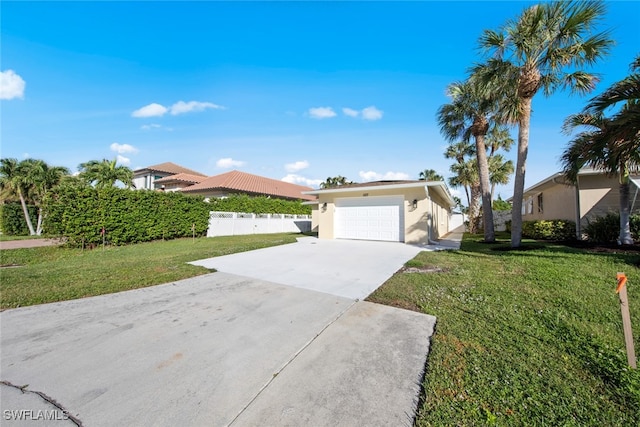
<point x="12" y="222"/>
<point x="81" y="214"/>
<point x="606" y="229"/>
<point x="259" y="205"/>
<point x="557" y="229"/>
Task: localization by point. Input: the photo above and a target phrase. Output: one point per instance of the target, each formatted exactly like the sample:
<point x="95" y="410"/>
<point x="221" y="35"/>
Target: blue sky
<point x="289" y="90"/>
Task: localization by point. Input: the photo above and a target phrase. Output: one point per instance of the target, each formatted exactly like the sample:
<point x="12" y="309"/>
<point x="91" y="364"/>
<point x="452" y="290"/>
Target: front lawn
<point x="49" y="274"/>
<point x="524" y="337"/>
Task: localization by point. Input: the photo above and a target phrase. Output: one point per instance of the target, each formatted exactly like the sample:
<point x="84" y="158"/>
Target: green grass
<point x="523" y="337"/>
<point x="50" y="274"/>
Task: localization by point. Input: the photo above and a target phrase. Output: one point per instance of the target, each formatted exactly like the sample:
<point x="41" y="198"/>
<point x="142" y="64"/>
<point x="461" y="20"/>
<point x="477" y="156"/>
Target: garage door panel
<point x="371" y="218"/>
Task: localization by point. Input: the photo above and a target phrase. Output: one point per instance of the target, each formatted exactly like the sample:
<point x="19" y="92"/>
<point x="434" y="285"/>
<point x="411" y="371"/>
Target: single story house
<point x="153" y="177"/>
<point x="236" y="182"/>
<point x="416" y="212"/>
<point x="594" y="195"/>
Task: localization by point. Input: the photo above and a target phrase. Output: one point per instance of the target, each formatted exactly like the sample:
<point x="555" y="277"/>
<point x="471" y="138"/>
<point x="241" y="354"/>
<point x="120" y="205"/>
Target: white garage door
<point x="369" y="218"/>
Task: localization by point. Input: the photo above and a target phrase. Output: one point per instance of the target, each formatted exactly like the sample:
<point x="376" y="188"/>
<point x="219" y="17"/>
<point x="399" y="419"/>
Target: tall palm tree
<point x="470" y="113"/>
<point x="105" y="173"/>
<point x="609" y="144"/>
<point x="13" y="183"/>
<point x="430" y="175"/>
<point x="544" y="48"/>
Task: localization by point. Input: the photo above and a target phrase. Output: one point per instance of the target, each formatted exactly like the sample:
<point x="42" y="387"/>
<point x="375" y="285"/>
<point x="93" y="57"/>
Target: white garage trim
<point x="369" y="218"/>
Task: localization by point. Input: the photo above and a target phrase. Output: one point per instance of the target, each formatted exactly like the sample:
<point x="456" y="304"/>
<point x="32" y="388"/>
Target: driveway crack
<point x="24" y="389"/>
<point x="288" y="362"/>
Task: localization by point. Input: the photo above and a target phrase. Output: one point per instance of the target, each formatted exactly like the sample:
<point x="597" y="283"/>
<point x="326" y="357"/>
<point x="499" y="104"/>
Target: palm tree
<point x="466" y="175"/>
<point x="430" y="175"/>
<point x="469" y="114"/>
<point x="499" y="172"/>
<point x="13" y="183"/>
<point x="42" y="178"/>
<point x="105" y="173"/>
<point x="335" y="181"/>
<point x="543" y="49"/>
<point x="459" y="152"/>
<point x="609" y="144"/>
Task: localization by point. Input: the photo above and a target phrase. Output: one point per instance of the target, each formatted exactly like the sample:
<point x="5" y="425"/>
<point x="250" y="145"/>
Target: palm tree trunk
<point x="625" y="229"/>
<point x="485" y="189"/>
<point x="474" y="209"/>
<point x="518" y="184"/>
<point x="25" y="211"/>
<point x="39" y="226"/>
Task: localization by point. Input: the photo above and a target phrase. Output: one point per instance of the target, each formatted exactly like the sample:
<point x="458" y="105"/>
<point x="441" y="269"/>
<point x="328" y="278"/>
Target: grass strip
<point x="529" y="337"/>
<point x="50" y="274"/>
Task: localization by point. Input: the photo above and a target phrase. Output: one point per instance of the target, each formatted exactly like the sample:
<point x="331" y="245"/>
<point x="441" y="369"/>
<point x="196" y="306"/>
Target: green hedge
<point x="606" y="229"/>
<point x="259" y="205"/>
<point x="12" y="222"/>
<point x="79" y="215"/>
<point x="557" y="229"/>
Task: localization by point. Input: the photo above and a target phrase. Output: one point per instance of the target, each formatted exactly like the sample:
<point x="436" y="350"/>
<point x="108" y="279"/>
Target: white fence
<point x="237" y="223"/>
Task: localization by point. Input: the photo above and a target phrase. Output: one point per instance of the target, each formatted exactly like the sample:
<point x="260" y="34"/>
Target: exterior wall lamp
<point x="415" y="203"/>
<point x="324" y="206"/>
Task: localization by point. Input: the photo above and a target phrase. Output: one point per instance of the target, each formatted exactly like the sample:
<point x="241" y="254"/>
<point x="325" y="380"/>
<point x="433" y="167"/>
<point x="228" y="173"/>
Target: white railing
<point x="237" y="223"/>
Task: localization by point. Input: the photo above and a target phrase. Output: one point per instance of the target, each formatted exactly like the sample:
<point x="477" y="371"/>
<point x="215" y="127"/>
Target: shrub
<point x="558" y="229"/>
<point x="80" y="214"/>
<point x="259" y="205"/>
<point x="606" y="229"/>
<point x="12" y="222"/>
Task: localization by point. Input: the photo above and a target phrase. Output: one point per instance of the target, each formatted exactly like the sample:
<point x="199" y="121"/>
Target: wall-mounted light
<point x="415" y="203"/>
<point x="324" y="206"/>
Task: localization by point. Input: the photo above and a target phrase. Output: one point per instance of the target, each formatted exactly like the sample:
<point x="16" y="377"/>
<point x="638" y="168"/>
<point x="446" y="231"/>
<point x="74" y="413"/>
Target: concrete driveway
<point x="346" y="268"/>
<point x="225" y="349"/>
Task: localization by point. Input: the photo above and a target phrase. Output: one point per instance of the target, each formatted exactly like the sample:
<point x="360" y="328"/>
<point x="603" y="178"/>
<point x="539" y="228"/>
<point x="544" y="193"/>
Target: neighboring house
<point x="594" y="195"/>
<point x="414" y="212"/>
<point x="236" y="182"/>
<point x="149" y="178"/>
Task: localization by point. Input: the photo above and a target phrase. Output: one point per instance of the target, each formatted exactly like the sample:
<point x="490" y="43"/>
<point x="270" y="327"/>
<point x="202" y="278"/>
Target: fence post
<point x="626" y="319"/>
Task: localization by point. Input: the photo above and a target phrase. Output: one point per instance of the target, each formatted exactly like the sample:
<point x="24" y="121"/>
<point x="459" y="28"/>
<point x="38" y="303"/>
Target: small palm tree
<point x="500" y="170"/>
<point x="609" y="144"/>
<point x="466" y="175"/>
<point x="105" y="173"/>
<point x="335" y="182"/>
<point x="543" y="49"/>
<point x="430" y="175"/>
<point x="13" y="183"/>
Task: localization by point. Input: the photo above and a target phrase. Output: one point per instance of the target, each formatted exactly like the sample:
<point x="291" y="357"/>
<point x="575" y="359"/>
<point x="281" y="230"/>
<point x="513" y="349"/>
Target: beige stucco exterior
<point x="428" y="221"/>
<point x="596" y="194"/>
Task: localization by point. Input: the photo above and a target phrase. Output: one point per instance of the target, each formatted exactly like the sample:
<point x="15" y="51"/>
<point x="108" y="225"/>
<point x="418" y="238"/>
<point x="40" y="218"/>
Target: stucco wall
<point x="431" y="212"/>
<point x="558" y="202"/>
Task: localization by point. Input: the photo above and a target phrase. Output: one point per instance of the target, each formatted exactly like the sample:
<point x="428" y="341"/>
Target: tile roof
<point x="182" y="177"/>
<point x="172" y="168"/>
<point x="242" y="182"/>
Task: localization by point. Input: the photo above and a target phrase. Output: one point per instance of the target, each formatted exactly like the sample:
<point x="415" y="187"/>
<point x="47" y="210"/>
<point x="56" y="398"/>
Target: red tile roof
<point x="242" y="182"/>
<point x="182" y="177"/>
<point x="172" y="168"/>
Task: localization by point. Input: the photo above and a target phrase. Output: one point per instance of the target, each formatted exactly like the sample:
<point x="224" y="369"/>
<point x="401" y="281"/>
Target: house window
<point x="527" y="206"/>
<point x="540" y="208"/>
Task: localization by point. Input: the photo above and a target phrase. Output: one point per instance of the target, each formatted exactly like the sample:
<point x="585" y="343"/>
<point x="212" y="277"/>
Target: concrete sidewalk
<point x="215" y="350"/>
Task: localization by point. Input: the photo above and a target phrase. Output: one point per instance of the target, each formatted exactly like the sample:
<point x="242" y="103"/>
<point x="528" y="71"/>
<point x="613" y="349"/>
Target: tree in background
<point x="430" y="175"/>
<point x="29" y="180"/>
<point x="609" y="144"/>
<point x="336" y="181"/>
<point x="105" y="173"/>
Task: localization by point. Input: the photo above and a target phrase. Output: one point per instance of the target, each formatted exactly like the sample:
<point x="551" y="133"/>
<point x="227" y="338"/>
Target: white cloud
<point x="123" y="160"/>
<point x="322" y="112"/>
<point x="390" y="176"/>
<point x="123" y="148"/>
<point x="350" y="112"/>
<point x="182" y="107"/>
<point x="297" y="179"/>
<point x="371" y="113"/>
<point x="228" y="163"/>
<point x="151" y="110"/>
<point x="153" y="126"/>
<point x="11" y="85"/>
<point x="296" y="166"/>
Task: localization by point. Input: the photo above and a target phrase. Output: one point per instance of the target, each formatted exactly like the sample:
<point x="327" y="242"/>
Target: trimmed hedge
<point x="557" y="229"/>
<point x="606" y="229"/>
<point x="12" y="222"/>
<point x="79" y="215"/>
<point x="259" y="205"/>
